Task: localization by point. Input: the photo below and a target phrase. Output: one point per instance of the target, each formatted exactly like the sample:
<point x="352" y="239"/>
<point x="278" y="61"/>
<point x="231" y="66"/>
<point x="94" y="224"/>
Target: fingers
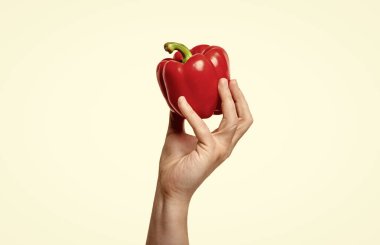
<point x="176" y="123"/>
<point x="237" y="117"/>
<point x="228" y="104"/>
<point x="244" y="114"/>
<point x="240" y="102"/>
<point x="229" y="122"/>
<point x="200" y="128"/>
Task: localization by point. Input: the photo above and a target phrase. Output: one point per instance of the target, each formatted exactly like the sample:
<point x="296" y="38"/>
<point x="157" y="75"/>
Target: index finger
<point x="200" y="128"/>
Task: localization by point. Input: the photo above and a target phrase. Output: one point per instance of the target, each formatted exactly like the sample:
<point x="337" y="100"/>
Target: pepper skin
<point x="194" y="74"/>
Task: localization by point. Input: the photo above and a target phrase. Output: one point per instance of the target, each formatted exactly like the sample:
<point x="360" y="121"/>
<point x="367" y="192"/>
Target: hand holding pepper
<point x="194" y="74"/>
<point x="186" y="161"/>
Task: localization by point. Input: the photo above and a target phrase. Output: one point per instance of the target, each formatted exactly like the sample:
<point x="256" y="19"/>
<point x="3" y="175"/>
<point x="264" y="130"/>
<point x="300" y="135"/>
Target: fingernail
<point x="181" y="99"/>
<point x="223" y="81"/>
<point x="234" y="81"/>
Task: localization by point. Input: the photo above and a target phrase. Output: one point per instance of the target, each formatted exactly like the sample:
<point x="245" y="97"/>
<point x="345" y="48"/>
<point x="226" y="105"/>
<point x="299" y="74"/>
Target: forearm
<point x="168" y="223"/>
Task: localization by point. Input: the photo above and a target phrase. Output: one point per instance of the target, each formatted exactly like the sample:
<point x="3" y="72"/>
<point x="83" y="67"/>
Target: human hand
<point x="187" y="160"/>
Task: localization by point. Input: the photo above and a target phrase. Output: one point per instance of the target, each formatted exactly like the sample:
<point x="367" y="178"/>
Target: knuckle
<point x="249" y="121"/>
<point x="233" y="124"/>
<point x="190" y="112"/>
<point x="226" y="155"/>
<point x="229" y="97"/>
<point x="203" y="127"/>
<point x="223" y="153"/>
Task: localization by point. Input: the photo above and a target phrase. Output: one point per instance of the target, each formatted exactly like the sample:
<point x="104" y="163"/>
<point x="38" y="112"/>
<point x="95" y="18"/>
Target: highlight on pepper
<point x="193" y="73"/>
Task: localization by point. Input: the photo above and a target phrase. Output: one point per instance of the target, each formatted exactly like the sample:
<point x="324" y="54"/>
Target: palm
<point x="181" y="165"/>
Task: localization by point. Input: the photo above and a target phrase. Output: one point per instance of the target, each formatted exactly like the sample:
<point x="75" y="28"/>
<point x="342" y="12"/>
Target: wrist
<point x="172" y="194"/>
<point x="171" y="200"/>
<point x="168" y="223"/>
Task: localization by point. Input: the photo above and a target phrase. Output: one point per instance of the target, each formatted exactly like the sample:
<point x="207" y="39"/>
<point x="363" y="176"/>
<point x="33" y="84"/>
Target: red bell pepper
<point x="194" y="74"/>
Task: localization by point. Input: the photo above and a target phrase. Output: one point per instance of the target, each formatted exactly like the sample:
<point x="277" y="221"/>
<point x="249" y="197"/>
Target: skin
<point x="186" y="161"/>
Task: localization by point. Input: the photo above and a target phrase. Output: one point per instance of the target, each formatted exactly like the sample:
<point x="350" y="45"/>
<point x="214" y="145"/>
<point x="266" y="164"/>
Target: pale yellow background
<point x="82" y="121"/>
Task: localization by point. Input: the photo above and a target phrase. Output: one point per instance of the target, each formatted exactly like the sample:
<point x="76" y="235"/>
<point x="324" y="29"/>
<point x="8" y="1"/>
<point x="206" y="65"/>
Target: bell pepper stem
<point x="171" y="46"/>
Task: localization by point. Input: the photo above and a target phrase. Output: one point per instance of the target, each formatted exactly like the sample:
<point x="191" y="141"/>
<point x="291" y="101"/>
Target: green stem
<point x="171" y="46"/>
